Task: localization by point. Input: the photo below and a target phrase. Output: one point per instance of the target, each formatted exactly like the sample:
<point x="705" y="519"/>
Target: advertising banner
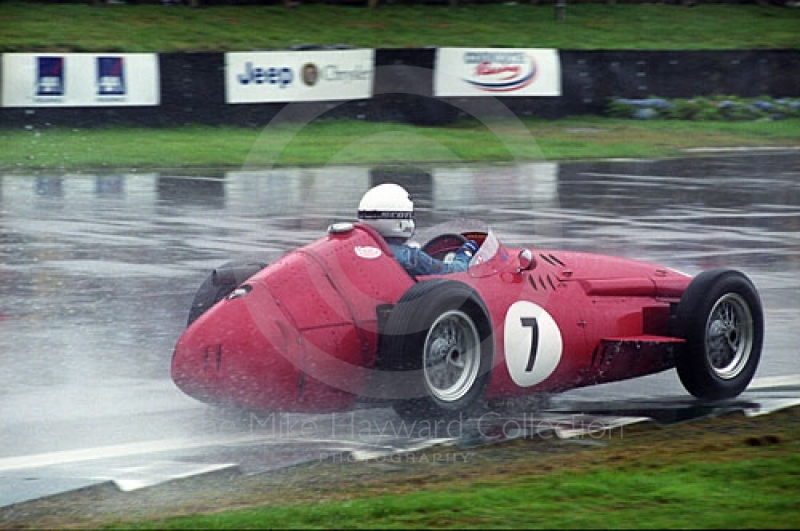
<point x="497" y="72"/>
<point x="79" y="80"/>
<point x="314" y="75"/>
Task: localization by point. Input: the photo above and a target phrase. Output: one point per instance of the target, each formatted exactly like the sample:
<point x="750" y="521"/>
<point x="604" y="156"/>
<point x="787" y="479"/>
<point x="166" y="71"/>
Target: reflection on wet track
<point x="98" y="271"/>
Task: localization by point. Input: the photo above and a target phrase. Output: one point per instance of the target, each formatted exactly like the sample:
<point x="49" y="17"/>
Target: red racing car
<point x="339" y="321"/>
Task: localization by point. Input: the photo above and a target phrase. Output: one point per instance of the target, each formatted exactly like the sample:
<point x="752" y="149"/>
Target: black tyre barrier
<point x="193" y="88"/>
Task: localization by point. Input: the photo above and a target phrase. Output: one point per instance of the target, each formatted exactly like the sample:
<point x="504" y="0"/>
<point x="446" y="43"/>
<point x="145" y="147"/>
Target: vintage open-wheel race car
<point x="339" y="321"/>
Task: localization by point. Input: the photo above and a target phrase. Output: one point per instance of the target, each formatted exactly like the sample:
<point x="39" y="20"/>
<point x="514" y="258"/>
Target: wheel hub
<point x="452" y="356"/>
<point x="440" y="349"/>
<point x="729" y="336"/>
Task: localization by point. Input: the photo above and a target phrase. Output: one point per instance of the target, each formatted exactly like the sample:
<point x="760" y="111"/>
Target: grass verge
<point x="677" y="496"/>
<point x="352" y="142"/>
<point x="34" y="26"/>
<point x="729" y="471"/>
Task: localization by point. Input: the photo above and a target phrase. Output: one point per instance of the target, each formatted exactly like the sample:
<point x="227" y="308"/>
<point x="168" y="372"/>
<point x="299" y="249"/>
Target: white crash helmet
<point x="389" y="209"/>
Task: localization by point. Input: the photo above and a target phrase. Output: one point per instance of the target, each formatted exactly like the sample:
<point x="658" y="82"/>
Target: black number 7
<point x="531" y="322"/>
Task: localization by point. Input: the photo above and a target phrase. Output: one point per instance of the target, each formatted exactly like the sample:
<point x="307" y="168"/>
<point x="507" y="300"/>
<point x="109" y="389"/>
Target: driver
<point x="389" y="209"/>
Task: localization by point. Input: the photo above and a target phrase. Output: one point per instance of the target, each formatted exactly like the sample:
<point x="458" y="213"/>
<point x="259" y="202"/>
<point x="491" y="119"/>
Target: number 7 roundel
<point x="532" y="342"/>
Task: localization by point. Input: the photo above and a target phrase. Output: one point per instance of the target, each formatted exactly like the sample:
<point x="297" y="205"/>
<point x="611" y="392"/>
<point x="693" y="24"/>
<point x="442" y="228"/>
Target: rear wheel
<point x="721" y="318"/>
<point x="440" y="331"/>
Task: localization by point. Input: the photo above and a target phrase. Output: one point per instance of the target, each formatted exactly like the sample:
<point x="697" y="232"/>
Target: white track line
<point x="130" y="449"/>
<point x="774" y="381"/>
<point x="117" y="451"/>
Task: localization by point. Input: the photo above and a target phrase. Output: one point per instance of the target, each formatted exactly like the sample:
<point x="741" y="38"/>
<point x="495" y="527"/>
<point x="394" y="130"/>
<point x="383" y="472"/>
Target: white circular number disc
<point x="533" y="343"/>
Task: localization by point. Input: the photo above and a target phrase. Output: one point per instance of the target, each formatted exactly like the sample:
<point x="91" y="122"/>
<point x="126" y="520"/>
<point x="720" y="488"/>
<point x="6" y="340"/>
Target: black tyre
<point x="219" y="283"/>
<point x="440" y="336"/>
<point x="721" y="318"/>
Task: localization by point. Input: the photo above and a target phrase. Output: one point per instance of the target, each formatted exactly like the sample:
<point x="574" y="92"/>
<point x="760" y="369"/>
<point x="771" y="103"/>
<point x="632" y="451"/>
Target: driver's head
<point x="389" y="209"/>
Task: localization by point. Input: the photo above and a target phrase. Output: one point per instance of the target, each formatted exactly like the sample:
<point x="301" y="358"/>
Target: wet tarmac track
<point x="97" y="273"/>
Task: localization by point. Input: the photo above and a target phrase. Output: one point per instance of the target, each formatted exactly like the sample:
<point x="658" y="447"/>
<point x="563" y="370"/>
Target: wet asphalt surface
<point x="97" y="273"/>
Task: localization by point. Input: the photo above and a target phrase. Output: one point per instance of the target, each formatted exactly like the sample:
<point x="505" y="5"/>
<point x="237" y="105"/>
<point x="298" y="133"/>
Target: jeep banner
<point x="79" y="80"/>
<point x="497" y="72"/>
<point x="318" y="75"/>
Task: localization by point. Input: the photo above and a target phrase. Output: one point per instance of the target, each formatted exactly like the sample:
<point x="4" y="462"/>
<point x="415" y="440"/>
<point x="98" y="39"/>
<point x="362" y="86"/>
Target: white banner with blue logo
<point x="497" y="72"/>
<point x="79" y="79"/>
<point x="312" y="75"/>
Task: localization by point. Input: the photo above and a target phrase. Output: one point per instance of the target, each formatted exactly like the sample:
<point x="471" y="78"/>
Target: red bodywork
<point x="304" y="333"/>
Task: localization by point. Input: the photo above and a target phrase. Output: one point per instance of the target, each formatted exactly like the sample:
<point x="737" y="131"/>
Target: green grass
<point x="755" y="493"/>
<point x="729" y="471"/>
<point x="34" y="26"/>
<point x="30" y="26"/>
<point x="354" y="142"/>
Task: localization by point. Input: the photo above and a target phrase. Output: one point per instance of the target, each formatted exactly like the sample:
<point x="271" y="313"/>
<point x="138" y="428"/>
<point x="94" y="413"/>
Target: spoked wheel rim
<point x="730" y="335"/>
<point x="452" y="356"/>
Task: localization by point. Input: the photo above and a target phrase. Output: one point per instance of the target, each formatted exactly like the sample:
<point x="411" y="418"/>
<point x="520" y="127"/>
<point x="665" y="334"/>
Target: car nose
<point x="240" y="352"/>
<point x="248" y="351"/>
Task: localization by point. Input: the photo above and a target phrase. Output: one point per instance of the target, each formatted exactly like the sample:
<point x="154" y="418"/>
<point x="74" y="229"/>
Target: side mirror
<point x="526" y="260"/>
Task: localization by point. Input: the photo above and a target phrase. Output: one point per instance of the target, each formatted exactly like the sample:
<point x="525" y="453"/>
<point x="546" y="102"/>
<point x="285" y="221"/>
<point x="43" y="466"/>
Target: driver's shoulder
<point x="398" y="249"/>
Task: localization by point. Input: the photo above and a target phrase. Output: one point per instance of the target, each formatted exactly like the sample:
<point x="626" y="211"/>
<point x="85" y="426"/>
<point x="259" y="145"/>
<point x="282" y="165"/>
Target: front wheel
<point x="721" y="318"/>
<point x="219" y="283"/>
<point x="440" y="331"/>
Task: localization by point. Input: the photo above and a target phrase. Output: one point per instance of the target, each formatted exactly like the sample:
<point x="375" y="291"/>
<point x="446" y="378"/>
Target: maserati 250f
<point x="339" y="321"/>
